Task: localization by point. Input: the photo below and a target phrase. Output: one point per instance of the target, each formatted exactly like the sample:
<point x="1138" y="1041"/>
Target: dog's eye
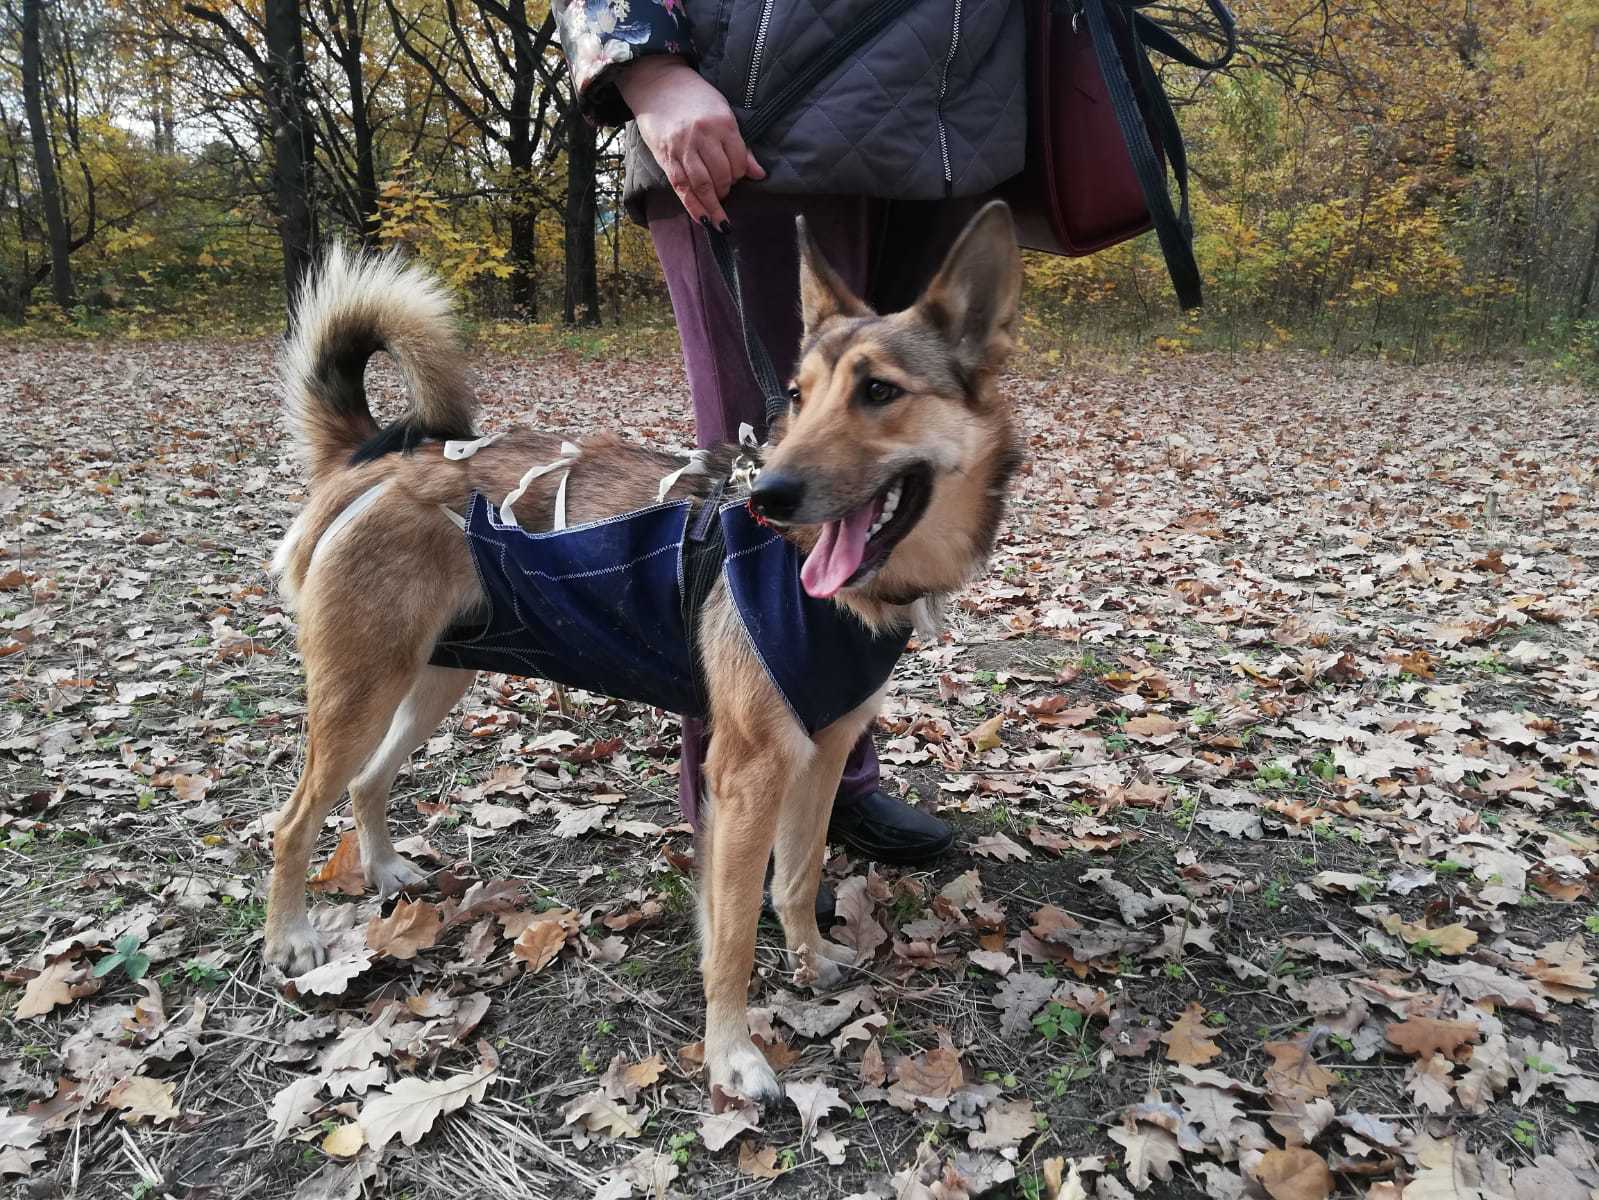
<point x="876" y="391"/>
<point x="794" y="396"/>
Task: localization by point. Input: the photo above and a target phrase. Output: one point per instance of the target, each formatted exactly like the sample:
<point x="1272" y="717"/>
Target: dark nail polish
<point x="726" y="227"/>
<point x="705" y="221"/>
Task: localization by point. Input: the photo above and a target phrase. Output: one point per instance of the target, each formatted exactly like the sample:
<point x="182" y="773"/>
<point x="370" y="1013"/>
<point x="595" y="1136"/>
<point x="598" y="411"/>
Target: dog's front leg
<point x="750" y="773"/>
<point x="801" y="846"/>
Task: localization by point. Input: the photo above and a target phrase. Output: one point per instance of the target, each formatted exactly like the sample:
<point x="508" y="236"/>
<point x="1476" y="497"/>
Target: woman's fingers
<point x="678" y="178"/>
<point x="703" y="189"/>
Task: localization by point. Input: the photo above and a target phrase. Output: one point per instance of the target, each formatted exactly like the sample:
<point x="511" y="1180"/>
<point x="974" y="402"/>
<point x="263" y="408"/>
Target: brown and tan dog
<point x="895" y="413"/>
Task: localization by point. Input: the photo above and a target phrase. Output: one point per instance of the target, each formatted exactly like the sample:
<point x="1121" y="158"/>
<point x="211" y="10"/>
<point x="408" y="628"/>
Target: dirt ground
<point x="1272" y="737"/>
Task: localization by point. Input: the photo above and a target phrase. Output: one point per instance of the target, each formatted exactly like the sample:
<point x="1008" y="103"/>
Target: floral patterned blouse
<point x="599" y="36"/>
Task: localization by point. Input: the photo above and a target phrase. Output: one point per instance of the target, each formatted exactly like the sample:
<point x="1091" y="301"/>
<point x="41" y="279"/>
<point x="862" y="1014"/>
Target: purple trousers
<point x="886" y="251"/>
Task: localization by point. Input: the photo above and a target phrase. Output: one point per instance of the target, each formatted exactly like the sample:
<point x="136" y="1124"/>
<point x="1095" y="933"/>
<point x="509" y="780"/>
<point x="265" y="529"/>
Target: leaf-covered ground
<point x="1272" y="737"/>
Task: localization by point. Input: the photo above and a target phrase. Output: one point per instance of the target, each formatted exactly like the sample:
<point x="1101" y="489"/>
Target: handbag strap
<point x="1173" y="228"/>
<point x="1159" y="39"/>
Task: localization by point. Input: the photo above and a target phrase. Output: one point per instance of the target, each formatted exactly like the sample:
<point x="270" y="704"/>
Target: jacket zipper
<point x="943" y="87"/>
<point x="757" y="52"/>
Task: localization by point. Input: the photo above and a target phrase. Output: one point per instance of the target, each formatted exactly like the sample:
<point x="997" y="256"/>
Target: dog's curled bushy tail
<point x="351" y="306"/>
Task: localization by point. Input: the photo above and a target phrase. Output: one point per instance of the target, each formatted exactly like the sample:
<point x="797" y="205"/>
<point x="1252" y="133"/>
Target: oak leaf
<point x="1445" y="939"/>
<point x="358" y="1048"/>
<point x="61" y="982"/>
<point x="998" y="846"/>
<point x="1005" y="1125"/>
<point x="928" y="1079"/>
<point x="334" y="976"/>
<point x="342" y="872"/>
<point x="814" y="1100"/>
<point x="293" y="1105"/>
<point x="539" y="943"/>
<point x="1422" y="1037"/>
<point x="1294" y="1072"/>
<point x="1186" y="1042"/>
<point x="718" y="1129"/>
<point x="411" y="1106"/>
<point x="1150" y="1153"/>
<point x="412" y="927"/>
<point x="1153" y="727"/>
<point x="140" y="1097"/>
<point x="759" y="1164"/>
<point x="1297" y="1174"/>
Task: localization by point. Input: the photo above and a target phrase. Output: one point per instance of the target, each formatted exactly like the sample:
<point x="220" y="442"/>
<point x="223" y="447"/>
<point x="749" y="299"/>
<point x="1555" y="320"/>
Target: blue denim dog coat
<point x="611" y="607"/>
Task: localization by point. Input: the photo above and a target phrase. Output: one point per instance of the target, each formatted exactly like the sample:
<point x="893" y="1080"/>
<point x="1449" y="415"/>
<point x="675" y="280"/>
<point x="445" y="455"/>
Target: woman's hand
<point x="690" y="129"/>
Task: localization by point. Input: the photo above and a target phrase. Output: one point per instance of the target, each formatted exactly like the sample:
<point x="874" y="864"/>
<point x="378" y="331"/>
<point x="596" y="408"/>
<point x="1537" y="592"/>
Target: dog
<point x="887" y="476"/>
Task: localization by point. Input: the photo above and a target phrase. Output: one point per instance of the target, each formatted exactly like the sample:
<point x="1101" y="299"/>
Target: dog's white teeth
<point x="887" y="515"/>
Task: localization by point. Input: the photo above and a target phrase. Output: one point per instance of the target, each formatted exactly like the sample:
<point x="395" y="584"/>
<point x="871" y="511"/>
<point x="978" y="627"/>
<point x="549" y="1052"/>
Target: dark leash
<point x="774" y="395"/>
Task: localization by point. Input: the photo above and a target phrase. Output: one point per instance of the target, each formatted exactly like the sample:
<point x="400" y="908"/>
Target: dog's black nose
<point x="777" y="496"/>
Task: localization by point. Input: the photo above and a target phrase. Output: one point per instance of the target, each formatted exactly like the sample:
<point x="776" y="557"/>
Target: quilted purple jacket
<point x="934" y="106"/>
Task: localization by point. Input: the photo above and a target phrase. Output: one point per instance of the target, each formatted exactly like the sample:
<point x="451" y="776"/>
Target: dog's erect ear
<point x="822" y="293"/>
<point x="972" y="301"/>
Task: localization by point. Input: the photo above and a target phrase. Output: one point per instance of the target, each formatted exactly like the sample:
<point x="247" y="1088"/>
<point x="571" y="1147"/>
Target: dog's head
<point x="891" y="464"/>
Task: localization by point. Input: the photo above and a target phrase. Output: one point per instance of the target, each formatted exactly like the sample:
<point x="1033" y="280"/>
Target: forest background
<point x="1410" y="177"/>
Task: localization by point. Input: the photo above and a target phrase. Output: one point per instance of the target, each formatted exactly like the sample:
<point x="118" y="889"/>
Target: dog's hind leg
<point x="429" y="701"/>
<point x="751" y="763"/>
<point x="801" y="846"/>
<point x="345" y="726"/>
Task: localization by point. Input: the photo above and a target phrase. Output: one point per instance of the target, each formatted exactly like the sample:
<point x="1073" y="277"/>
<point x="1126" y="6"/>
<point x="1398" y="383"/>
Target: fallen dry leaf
<point x="293" y="1105"/>
<point x="344" y="1141"/>
<point x="997" y="845"/>
<point x="759" y="1163"/>
<point x="814" y="1100"/>
<point x="1445" y="939"/>
<point x="141" y="1098"/>
<point x="1149" y="1152"/>
<point x="928" y="1079"/>
<point x="1422" y="1037"/>
<point x="1186" y="1040"/>
<point x="1296" y="1174"/>
<point x="539" y="943"/>
<point x="61" y="982"/>
<point x="1005" y="1125"/>
<point x="342" y="872"/>
<point x="718" y="1129"/>
<point x="1294" y="1073"/>
<point x="409" y="1108"/>
<point x="412" y="927"/>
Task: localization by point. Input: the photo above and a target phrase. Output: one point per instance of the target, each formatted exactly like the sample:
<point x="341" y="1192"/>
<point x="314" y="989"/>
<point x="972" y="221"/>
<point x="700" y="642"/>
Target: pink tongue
<point x="837" y="554"/>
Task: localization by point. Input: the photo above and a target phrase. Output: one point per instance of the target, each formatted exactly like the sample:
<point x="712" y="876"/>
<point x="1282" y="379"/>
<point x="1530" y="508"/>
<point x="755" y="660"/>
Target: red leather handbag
<point x="1101" y="134"/>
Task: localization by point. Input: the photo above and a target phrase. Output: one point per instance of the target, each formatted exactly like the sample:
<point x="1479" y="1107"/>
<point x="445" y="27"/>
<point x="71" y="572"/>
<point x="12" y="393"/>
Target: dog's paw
<point x="394" y="874"/>
<point x="296" y="950"/>
<point x="823" y="967"/>
<point x="744" y="1071"/>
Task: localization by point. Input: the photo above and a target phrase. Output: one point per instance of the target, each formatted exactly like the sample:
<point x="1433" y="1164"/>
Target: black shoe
<point x="885" y="829"/>
<point x="826" y="901"/>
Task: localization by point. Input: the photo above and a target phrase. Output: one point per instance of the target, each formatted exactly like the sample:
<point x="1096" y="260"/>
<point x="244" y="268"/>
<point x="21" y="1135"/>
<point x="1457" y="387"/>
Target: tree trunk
<point x="1585" y="292"/>
<point x="163" y="116"/>
<point x="291" y="142"/>
<point x="521" y="141"/>
<point x="523" y="218"/>
<point x="44" y="157"/>
<point x="366" y="174"/>
<point x="582" y="276"/>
